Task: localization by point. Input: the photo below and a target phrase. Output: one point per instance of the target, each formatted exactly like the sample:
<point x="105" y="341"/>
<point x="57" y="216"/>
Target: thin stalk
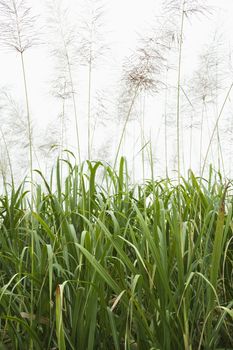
<point x="31" y="169"/>
<point x="182" y="146"/>
<point x="62" y="128"/>
<point x="230" y="155"/>
<point x="208" y="127"/>
<point x="191" y="143"/>
<point x="165" y="127"/>
<point x="218" y="148"/>
<point x="216" y="110"/>
<point x="75" y="108"/>
<point x="93" y="132"/>
<point x="29" y="124"/>
<point x="178" y="92"/>
<point x="89" y="105"/>
<point x="4" y="181"/>
<point x="133" y="158"/>
<point x="220" y="154"/>
<point x="8" y="156"/>
<point x="125" y="125"/>
<point x="62" y="136"/>
<point x="31" y="181"/>
<point x="67" y="56"/>
<point x="215" y="127"/>
<point x="191" y="127"/>
<point x="201" y="135"/>
<point x="143" y="137"/>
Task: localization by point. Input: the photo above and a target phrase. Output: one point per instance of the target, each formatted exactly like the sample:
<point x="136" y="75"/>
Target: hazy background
<point x="124" y="23"/>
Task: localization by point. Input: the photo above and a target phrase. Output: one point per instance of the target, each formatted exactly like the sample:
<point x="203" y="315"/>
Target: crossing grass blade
<point x="59" y="318"/>
<point x="115" y="265"/>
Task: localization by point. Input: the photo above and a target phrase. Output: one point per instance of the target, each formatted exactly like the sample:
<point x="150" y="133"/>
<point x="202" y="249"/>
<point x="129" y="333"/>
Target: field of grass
<point x="89" y="258"/>
<point x="92" y="262"/>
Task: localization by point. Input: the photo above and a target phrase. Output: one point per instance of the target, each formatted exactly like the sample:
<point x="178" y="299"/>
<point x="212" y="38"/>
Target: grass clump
<point x="117" y="266"/>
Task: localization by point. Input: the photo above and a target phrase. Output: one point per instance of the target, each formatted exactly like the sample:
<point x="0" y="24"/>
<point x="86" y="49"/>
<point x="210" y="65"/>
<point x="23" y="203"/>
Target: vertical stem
<point x="179" y="232"/>
<point x="31" y="181"/>
<point x="182" y="145"/>
<point x="29" y="124"/>
<point x="191" y="143"/>
<point x="89" y="106"/>
<point x="215" y="127"/>
<point x="143" y="137"/>
<point x="26" y="97"/>
<point x="216" y="109"/>
<point x="125" y="124"/>
<point x="89" y="95"/>
<point x="220" y="154"/>
<point x="30" y="158"/>
<point x="8" y="156"/>
<point x="219" y="146"/>
<point x="133" y="156"/>
<point x="94" y="130"/>
<point x="201" y="136"/>
<point x="230" y="155"/>
<point x="165" y="128"/>
<point x="209" y="133"/>
<point x="62" y="128"/>
<point x="62" y="135"/>
<point x="178" y="92"/>
<point x="75" y="108"/>
<point x="67" y="56"/>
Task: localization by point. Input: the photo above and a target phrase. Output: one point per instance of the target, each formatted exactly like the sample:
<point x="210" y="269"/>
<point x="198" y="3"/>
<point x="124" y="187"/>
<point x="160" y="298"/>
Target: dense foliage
<point x="95" y="263"/>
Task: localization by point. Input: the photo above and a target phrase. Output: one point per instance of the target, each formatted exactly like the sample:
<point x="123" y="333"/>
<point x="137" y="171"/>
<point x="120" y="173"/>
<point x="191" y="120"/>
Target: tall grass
<point x="113" y="268"/>
<point x="64" y="49"/>
<point x="92" y="49"/>
<point x="91" y="260"/>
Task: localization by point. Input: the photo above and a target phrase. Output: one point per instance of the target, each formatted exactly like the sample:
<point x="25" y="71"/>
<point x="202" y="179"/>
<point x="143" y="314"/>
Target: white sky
<point x="125" y="19"/>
